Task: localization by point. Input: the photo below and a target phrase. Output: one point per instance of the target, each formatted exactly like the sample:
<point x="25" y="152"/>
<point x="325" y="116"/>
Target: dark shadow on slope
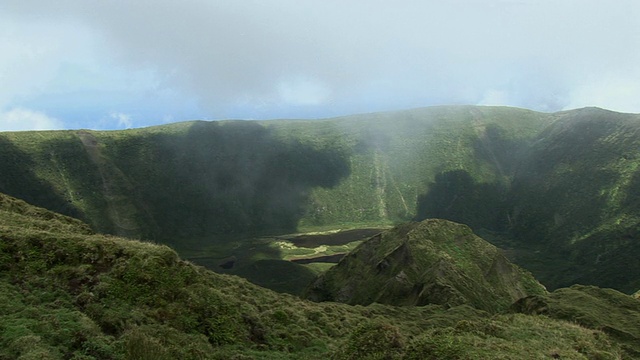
<point x="496" y="149"/>
<point x="109" y="200"/>
<point x="18" y="179"/>
<point x="456" y="196"/>
<point x="227" y="178"/>
<point x="278" y="275"/>
<point x="256" y="260"/>
<point x="561" y="194"/>
<point x="557" y="192"/>
<point x="212" y="189"/>
<point x="608" y="259"/>
<point x="609" y="256"/>
<point x="631" y="203"/>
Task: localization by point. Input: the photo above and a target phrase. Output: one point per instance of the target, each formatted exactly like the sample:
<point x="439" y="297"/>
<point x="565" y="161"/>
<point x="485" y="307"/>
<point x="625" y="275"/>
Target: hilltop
<point x="69" y="293"/>
<point x="431" y="262"/>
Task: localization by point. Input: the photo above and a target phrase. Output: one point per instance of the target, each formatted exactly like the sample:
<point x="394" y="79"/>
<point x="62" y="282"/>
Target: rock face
<point x="429" y="262"/>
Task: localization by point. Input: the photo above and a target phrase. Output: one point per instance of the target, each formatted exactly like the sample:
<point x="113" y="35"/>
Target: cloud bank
<point x="25" y="119"/>
<point x="304" y="58"/>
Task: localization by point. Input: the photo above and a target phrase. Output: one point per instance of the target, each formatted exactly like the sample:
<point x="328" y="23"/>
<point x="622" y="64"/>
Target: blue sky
<point x="116" y="64"/>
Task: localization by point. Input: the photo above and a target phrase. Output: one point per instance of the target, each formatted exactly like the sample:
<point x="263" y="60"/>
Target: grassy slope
<point x="606" y="309"/>
<point x="66" y="293"/>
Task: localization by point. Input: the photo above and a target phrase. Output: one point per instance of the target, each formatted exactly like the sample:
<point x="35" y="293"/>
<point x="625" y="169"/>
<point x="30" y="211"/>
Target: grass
<point x="66" y="293"/>
<point x="606" y="309"/>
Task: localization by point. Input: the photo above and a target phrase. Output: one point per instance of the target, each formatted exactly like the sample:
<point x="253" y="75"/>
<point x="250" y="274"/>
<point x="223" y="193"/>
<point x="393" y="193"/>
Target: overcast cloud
<point x="119" y="64"/>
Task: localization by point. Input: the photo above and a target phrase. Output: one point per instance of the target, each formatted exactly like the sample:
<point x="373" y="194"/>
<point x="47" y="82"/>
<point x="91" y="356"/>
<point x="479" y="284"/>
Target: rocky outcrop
<point x="430" y="262"/>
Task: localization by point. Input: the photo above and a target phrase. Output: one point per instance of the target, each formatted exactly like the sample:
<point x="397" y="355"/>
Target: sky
<point x="72" y="64"/>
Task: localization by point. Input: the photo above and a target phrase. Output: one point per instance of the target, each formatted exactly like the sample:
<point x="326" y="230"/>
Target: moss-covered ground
<point x="69" y="294"/>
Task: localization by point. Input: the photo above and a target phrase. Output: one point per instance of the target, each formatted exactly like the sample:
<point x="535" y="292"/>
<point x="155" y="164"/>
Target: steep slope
<point x="67" y="294"/>
<point x="431" y="262"/>
<point x="575" y="198"/>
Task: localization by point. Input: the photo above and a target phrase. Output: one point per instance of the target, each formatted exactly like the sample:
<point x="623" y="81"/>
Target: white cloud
<point x="495" y="97"/>
<point x="167" y="118"/>
<point x="614" y="93"/>
<point x="302" y="91"/>
<point x="20" y="119"/>
<point x="34" y="51"/>
<point x="124" y="120"/>
<point x="262" y="58"/>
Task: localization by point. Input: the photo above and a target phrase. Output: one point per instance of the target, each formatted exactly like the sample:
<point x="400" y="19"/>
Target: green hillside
<point x="203" y="178"/>
<point x="574" y="201"/>
<point x="558" y="191"/>
<point x="66" y="293"/>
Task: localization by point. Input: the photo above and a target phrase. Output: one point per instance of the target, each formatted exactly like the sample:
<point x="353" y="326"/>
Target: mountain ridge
<point x="550" y="186"/>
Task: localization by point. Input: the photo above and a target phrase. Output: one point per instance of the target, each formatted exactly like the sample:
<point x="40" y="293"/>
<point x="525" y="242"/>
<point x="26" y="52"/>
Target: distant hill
<point x="66" y="293"/>
<point x="431" y="262"/>
<point x="557" y="190"/>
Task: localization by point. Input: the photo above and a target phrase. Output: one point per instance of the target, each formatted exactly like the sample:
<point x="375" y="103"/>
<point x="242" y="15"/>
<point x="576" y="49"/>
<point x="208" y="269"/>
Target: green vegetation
<point x="202" y="179"/>
<point x="560" y="191"/>
<point x="574" y="201"/>
<point x="614" y="313"/>
<point x="66" y="293"/>
<point x="194" y="185"/>
<point x="432" y="262"/>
